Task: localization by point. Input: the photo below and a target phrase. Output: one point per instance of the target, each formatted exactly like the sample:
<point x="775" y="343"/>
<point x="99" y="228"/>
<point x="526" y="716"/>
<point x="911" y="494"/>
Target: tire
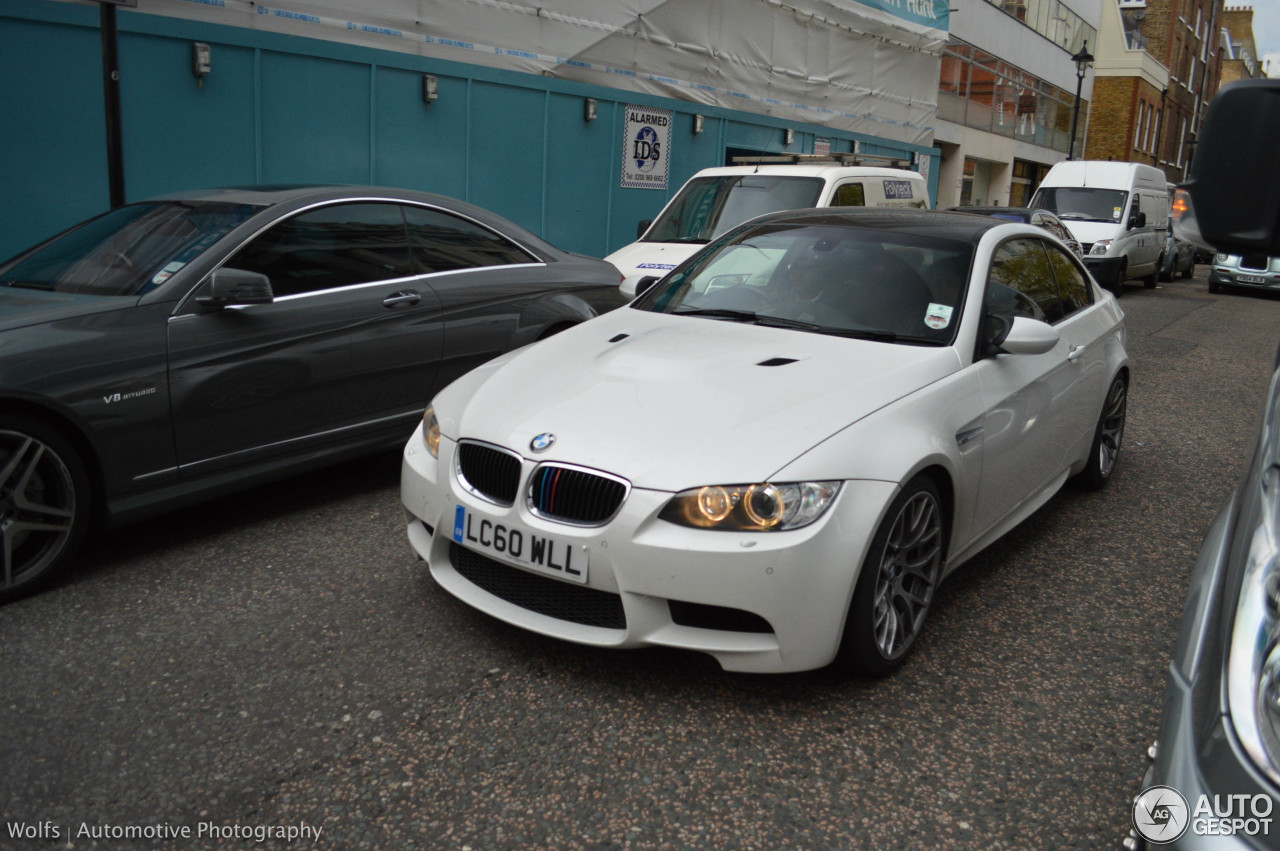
<point x="1167" y="273"/>
<point x="897" y="582"/>
<point x="1215" y="287"/>
<point x="45" y="504"/>
<point x="1151" y="280"/>
<point x="1117" y="288"/>
<point x="1189" y="272"/>
<point x="1108" y="435"/>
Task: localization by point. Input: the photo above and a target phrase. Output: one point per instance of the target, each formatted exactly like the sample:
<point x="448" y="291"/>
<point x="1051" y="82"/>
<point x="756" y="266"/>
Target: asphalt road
<point x="280" y="660"/>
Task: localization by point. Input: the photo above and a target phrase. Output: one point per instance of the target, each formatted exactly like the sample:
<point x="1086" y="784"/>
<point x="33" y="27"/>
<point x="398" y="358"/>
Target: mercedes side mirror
<point x="646" y="283"/>
<point x="229" y="287"/>
<point x="1138" y="220"/>
<point x="1231" y="201"/>
<point x="643" y="226"/>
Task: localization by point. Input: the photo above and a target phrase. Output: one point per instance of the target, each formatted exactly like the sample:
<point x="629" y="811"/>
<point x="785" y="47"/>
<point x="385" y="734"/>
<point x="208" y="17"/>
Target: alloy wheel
<point x="1111" y="429"/>
<point x="37" y="508"/>
<point x="908" y="574"/>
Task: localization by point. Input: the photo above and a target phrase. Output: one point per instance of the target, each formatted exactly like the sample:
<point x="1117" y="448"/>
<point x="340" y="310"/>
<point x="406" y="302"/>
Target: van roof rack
<point x="825" y="159"/>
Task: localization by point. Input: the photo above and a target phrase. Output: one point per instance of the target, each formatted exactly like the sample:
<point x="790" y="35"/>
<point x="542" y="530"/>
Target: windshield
<point x="709" y="206"/>
<point x="127" y="251"/>
<point x="1080" y="204"/>
<point x="827" y="279"/>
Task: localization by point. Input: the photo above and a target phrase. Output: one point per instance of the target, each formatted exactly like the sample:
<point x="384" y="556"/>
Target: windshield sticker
<point x="1115" y="214"/>
<point x="938" y="316"/>
<point x="167" y="272"/>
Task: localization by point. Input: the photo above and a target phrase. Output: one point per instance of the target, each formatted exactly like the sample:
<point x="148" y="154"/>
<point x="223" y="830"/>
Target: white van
<point x="717" y="199"/>
<point x="1118" y="211"/>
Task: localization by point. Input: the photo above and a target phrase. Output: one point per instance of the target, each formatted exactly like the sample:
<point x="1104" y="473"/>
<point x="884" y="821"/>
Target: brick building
<point x="1158" y="66"/>
<point x="1240" y="59"/>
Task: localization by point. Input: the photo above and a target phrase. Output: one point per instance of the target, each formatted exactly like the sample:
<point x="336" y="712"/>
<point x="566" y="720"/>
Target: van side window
<point x="850" y="195"/>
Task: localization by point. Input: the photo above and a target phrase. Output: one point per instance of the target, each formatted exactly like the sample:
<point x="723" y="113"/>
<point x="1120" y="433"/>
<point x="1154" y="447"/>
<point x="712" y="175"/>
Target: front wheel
<point x="895" y="588"/>
<point x="44" y="504"/>
<point x="1107" y="437"/>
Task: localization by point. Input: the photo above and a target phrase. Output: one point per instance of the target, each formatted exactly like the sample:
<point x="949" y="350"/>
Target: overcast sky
<point x="1266" y="30"/>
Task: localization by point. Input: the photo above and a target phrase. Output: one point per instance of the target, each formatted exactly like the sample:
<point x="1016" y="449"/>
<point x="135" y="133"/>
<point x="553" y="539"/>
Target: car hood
<point x="640" y="259"/>
<point x="21" y="307"/>
<point x="672" y="402"/>
<point x="1091" y="232"/>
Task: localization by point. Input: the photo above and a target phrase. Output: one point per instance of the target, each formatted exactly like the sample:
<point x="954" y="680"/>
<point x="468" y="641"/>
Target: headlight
<point x="1100" y="247"/>
<point x="1253" y="665"/>
<point x="431" y="432"/>
<point x="1221" y="258"/>
<point x="764" y="507"/>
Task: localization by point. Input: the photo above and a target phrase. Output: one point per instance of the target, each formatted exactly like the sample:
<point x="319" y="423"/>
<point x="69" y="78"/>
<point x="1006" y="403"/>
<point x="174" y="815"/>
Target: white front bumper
<point x="799" y="581"/>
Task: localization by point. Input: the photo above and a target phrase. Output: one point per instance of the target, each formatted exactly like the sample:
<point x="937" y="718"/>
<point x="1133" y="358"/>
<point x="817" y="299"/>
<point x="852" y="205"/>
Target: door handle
<point x="402" y="297"/>
<point x="1075" y="353"/>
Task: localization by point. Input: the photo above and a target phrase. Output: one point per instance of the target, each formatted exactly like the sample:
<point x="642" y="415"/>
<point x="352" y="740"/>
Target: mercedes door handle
<point x="1075" y="353"/>
<point x="402" y="297"/>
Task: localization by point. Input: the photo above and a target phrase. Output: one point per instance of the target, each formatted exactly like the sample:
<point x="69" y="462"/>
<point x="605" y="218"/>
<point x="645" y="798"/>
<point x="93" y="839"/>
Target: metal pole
<point x="1075" y="117"/>
<point x="111" y="104"/>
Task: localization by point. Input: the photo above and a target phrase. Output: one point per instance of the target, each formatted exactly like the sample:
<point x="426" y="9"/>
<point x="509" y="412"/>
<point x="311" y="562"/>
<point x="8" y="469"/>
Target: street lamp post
<point x="1083" y="60"/>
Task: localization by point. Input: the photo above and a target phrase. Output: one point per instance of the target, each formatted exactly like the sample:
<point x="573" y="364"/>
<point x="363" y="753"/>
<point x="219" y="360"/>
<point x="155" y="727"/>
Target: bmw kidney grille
<point x="575" y="495"/>
<point x="488" y="472"/>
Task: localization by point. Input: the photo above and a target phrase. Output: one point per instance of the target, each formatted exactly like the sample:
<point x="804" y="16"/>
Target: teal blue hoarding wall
<point x="285" y="109"/>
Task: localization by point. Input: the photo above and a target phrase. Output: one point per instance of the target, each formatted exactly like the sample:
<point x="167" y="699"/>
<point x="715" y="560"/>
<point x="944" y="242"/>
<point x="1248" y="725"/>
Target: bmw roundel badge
<point x="542" y="442"/>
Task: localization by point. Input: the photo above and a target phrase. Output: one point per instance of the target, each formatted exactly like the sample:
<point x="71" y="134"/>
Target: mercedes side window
<point x="330" y="247"/>
<point x="1075" y="290"/>
<point x="442" y="243"/>
<point x="850" y="195"/>
<point x="1022" y="282"/>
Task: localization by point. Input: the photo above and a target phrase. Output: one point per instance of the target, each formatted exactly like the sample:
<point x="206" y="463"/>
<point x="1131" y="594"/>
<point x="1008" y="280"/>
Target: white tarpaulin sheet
<point x="869" y="66"/>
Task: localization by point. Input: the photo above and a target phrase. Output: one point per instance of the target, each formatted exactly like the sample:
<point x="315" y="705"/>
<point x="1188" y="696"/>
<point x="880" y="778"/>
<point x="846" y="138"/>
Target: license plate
<point x="1251" y="279"/>
<point x="524" y="547"/>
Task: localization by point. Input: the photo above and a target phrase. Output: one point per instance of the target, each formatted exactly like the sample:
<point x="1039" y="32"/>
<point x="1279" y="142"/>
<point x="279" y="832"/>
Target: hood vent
<point x="777" y="361"/>
<point x="618" y="337"/>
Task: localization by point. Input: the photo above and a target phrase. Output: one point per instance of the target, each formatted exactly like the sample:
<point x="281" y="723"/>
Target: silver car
<point x="1252" y="271"/>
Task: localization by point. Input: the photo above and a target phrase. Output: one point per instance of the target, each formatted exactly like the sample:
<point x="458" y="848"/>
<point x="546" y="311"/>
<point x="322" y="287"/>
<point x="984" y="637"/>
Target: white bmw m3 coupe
<point x="776" y="453"/>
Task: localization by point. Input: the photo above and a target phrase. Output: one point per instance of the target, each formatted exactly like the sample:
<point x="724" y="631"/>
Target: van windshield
<point x="708" y="206"/>
<point x="1082" y="204"/>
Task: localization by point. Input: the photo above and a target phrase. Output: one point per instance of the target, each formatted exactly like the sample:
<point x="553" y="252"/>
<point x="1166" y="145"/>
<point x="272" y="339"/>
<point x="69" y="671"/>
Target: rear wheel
<point x="1151" y="280"/>
<point x="1107" y="437"/>
<point x="44" y="504"/>
<point x="896" y="585"/>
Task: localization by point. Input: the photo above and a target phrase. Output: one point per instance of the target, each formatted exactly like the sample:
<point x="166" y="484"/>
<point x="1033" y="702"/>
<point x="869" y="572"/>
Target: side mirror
<point x="995" y="329"/>
<point x="642" y="227"/>
<point x="646" y="283"/>
<point x="1234" y="186"/>
<point x="236" y="286"/>
<point x="1138" y="220"/>
<point x="1029" y="337"/>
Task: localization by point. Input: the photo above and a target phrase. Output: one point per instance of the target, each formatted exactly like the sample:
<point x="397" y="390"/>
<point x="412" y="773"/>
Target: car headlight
<point x="1221" y="258"/>
<point x="1253" y="664"/>
<point x="1100" y="247"/>
<point x="763" y="507"/>
<point x="431" y="432"/>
